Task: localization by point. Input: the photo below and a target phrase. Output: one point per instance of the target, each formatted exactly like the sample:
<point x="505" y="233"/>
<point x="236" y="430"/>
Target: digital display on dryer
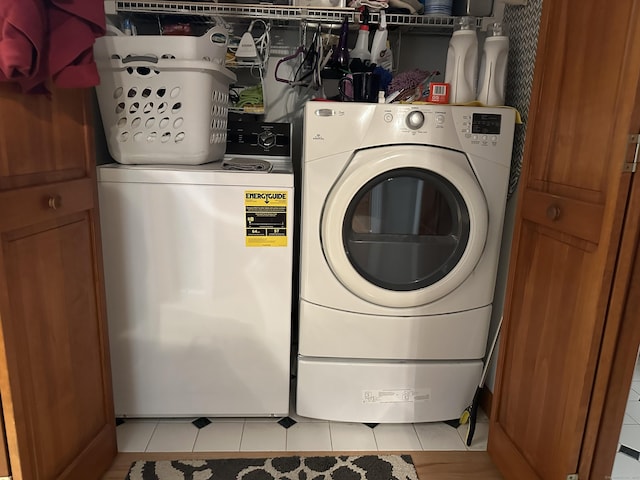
<point x="486" y="123"/>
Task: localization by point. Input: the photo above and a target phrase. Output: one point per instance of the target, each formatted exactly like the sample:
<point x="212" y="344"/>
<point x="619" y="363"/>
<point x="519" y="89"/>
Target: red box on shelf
<point x="438" y="92"/>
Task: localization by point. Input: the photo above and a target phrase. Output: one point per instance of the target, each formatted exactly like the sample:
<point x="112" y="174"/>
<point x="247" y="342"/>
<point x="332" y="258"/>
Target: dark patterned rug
<point x="364" y="467"/>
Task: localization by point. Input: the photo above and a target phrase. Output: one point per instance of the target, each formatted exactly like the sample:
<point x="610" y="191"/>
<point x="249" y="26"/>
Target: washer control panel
<point x="262" y="139"/>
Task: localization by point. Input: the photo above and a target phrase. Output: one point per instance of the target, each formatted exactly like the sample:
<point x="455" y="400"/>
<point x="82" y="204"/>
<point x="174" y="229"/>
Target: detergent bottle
<point x="462" y="61"/>
<point x="493" y="66"/>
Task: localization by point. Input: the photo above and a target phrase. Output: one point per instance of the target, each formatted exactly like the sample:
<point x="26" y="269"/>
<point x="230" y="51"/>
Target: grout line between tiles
<point x="375" y="438"/>
<point x="195" y="441"/>
<point x="244" y="423"/>
<point x="330" y="437"/>
<point x="193" y="445"/>
<point x="151" y="436"/>
<point x="462" y="439"/>
<point x="417" y="436"/>
<point x="286" y="439"/>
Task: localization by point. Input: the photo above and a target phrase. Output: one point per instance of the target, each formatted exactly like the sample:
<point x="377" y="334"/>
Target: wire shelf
<point x="276" y="12"/>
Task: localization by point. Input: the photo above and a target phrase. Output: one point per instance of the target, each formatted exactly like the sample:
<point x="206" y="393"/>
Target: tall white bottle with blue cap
<point x="462" y="61"/>
<point x="493" y="66"/>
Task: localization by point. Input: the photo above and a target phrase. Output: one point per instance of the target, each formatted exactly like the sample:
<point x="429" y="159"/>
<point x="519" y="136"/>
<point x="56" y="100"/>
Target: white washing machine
<point x="402" y="214"/>
<point x="198" y="272"/>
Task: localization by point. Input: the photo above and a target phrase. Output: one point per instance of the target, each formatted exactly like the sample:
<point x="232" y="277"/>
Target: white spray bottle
<point x="361" y="49"/>
<point x="493" y="66"/>
<point x="462" y="61"/>
<point x="380" y="51"/>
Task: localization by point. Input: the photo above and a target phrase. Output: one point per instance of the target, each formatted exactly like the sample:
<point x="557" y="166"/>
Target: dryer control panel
<point x="343" y="127"/>
<point x="457" y="127"/>
<point x="482" y="129"/>
<point x="486" y="123"/>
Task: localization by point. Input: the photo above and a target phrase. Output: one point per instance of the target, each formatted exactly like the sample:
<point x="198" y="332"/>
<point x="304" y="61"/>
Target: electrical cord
<point x="263" y="42"/>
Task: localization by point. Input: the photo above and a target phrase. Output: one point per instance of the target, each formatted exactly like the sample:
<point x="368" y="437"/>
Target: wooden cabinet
<point x="567" y="261"/>
<point x="55" y="382"/>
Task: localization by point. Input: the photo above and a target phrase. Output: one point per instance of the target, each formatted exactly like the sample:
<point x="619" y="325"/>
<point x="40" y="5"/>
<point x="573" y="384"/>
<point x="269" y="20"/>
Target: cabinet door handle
<point x="55" y="202"/>
<point x="553" y="212"/>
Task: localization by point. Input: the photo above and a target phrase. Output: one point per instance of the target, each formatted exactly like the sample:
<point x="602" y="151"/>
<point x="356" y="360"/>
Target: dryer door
<point x="404" y="225"/>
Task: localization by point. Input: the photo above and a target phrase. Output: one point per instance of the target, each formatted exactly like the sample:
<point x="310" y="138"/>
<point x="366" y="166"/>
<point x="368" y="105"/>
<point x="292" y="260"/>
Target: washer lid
<point x="207" y="174"/>
<point x="404" y="225"/>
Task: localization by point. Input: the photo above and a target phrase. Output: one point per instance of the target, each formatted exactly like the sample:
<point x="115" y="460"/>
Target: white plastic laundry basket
<point x="164" y="100"/>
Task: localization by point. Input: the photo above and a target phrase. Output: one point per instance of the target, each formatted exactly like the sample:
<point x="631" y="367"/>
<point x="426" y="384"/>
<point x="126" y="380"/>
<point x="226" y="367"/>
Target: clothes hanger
<point x="310" y="64"/>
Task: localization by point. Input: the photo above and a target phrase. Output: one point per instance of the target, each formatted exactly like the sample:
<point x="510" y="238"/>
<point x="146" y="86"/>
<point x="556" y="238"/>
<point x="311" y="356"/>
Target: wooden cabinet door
<point x="571" y="207"/>
<point x="55" y="379"/>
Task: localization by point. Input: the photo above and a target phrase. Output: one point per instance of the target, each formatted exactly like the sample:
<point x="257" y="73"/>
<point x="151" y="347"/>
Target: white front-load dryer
<point x="402" y="212"/>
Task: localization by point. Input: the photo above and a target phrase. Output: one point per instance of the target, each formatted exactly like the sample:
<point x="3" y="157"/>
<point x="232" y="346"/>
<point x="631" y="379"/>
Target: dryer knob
<point x="415" y="120"/>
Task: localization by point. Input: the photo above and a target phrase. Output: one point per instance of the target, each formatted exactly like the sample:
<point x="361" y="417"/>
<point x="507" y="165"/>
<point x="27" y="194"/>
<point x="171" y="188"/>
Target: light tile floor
<point x="626" y="467"/>
<point x="266" y="434"/>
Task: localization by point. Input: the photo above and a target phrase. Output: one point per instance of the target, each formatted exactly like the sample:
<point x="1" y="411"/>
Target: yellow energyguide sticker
<point x="266" y="218"/>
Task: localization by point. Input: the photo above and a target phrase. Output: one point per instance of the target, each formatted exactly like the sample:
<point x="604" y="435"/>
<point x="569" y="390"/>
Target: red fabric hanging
<point x="73" y="27"/>
<point x="23" y="26"/>
<point x="42" y="39"/>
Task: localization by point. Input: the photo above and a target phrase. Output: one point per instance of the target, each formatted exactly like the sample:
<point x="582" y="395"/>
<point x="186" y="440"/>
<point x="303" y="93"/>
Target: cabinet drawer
<point x="27" y="206"/>
<point x="579" y="219"/>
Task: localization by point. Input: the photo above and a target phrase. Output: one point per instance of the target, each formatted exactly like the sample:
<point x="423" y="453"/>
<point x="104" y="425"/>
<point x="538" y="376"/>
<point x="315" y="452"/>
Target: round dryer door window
<point x="404" y="225"/>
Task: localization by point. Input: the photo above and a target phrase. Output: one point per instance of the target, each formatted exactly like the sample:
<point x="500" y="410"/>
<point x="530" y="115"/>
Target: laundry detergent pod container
<point x="462" y="61"/>
<point x="164" y="99"/>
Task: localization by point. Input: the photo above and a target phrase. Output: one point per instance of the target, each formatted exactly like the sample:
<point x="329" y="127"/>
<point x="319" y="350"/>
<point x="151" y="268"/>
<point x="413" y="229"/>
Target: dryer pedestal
<point x="375" y="392"/>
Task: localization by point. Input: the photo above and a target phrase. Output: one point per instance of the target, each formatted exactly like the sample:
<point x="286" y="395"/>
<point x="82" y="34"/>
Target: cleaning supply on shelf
<point x="361" y="49"/>
<point x="385" y="77"/>
<point x="127" y="27"/>
<point x="493" y="66"/>
<point x="380" y="51"/>
<point x="462" y="61"/>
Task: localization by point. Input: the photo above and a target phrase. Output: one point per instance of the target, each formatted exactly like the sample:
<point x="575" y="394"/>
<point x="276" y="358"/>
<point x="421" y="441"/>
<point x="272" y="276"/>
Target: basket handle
<point x="164" y="65"/>
<point x="140" y="58"/>
<point x="218" y="36"/>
